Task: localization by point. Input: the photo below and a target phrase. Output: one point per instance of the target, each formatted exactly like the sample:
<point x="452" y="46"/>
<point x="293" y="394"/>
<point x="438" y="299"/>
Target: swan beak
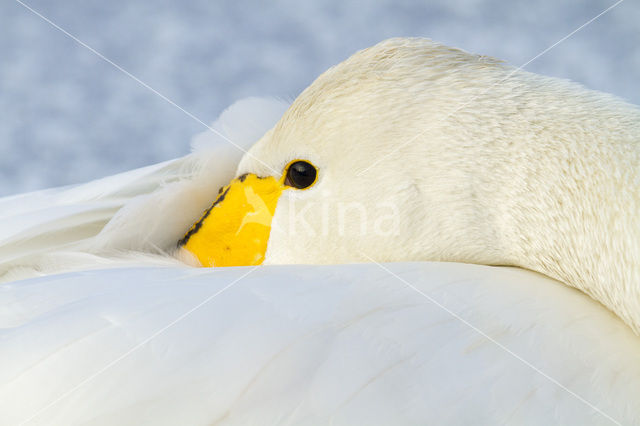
<point x="235" y="230"/>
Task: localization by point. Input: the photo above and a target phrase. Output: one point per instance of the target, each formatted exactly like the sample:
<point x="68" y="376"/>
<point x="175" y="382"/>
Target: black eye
<point x="301" y="175"/>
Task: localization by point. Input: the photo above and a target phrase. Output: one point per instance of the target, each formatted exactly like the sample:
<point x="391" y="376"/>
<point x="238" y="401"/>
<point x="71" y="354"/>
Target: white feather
<point x="345" y="345"/>
<point x="133" y="336"/>
<point x="144" y="210"/>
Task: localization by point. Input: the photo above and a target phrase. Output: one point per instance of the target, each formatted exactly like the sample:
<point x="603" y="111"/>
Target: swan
<point x="493" y="209"/>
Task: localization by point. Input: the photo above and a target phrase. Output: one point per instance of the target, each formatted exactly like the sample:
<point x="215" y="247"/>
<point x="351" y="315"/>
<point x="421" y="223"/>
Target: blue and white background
<point x="67" y="116"/>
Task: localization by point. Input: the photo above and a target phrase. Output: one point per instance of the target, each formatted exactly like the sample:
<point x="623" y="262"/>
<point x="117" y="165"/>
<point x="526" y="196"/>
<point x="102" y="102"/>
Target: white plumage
<point x="345" y="344"/>
<point x="128" y="335"/>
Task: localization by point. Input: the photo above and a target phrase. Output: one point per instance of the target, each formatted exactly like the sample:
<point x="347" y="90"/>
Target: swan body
<point x="100" y="324"/>
<point x="300" y="344"/>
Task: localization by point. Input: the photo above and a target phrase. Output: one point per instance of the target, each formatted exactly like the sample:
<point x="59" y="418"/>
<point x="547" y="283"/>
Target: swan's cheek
<point x="296" y="236"/>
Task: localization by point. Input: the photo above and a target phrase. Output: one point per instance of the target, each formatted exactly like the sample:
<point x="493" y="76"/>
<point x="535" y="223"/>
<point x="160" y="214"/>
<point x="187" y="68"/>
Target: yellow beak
<point x="235" y="230"/>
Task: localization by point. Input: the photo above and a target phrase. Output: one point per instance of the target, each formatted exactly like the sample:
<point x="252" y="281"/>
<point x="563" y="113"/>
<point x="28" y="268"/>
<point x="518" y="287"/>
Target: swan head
<point x="376" y="193"/>
<point x="411" y="150"/>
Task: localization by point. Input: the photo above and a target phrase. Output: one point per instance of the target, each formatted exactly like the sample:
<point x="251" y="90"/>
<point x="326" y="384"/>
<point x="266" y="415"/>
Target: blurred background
<point x="67" y="116"/>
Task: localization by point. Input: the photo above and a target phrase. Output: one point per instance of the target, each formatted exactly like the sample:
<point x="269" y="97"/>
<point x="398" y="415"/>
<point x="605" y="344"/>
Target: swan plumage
<point x="101" y="325"/>
<point x="347" y="344"/>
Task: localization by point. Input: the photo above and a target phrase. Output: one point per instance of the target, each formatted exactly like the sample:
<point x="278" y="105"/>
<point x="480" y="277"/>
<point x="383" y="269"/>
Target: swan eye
<point x="301" y="174"/>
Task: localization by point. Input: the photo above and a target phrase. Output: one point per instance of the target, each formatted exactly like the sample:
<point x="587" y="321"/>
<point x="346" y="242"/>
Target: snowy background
<point x="66" y="116"/>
